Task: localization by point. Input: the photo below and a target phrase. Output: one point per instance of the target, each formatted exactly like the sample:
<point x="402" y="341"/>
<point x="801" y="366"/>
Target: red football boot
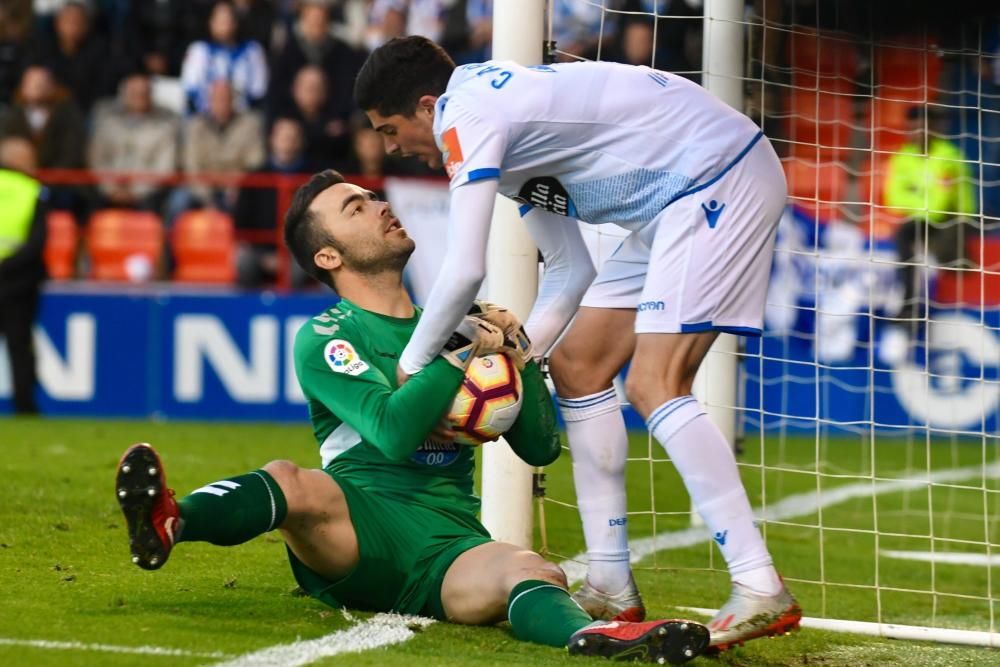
<point x="662" y="642"/>
<point x="149" y="506"/>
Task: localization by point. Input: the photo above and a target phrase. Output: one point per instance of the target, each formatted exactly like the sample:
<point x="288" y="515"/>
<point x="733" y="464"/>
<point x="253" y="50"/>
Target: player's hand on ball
<point x="519" y="347"/>
<point x="443" y="431"/>
<point x="472" y="338"/>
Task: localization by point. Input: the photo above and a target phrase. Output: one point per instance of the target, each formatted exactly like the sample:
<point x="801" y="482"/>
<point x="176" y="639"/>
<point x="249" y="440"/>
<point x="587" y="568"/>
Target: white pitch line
<point x="108" y="648"/>
<point x="890" y="630"/>
<point x="378" y="631"/>
<point x="788" y="507"/>
<point x="946" y="557"/>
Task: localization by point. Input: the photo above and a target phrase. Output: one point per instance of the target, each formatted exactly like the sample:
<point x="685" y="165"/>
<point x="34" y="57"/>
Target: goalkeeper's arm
<point x="534" y="437"/>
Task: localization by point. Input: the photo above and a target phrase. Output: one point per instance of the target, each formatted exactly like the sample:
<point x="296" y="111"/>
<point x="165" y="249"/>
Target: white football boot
<point x="748" y="615"/>
<point x="623" y="606"/>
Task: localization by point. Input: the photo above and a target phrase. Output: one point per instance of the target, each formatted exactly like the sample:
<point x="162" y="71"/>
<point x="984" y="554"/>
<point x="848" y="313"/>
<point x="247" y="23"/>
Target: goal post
<point x="518" y="32"/>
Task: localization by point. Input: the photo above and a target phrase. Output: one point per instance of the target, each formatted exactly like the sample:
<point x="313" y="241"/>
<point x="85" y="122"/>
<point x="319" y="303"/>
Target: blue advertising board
<point x="227" y="355"/>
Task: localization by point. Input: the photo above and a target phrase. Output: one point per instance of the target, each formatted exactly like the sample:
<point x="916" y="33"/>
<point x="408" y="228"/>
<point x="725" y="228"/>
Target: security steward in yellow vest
<point x="22" y="269"/>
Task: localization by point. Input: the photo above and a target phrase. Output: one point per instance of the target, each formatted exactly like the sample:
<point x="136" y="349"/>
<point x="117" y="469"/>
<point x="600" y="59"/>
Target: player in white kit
<point x="700" y="189"/>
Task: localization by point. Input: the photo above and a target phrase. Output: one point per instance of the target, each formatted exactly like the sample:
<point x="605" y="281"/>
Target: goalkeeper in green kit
<point x="390" y="521"/>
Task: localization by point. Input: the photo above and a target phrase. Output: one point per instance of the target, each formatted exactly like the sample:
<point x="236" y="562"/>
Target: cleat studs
<point x="126" y="468"/>
<point x="135" y="559"/>
<point x="122" y="493"/>
<point x="155" y="560"/>
<point x="684" y="627"/>
<point x="661" y="660"/>
<point x="581" y="642"/>
<point x="151" y="491"/>
<point x="688" y="653"/>
<point x="661" y="631"/>
<point x="152" y="471"/>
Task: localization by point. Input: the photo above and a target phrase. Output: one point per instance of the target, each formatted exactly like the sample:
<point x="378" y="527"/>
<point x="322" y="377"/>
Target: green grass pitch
<point x="66" y="575"/>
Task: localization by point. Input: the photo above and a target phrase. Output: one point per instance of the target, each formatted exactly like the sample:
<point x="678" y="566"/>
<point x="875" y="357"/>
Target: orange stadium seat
<point x="204" y="247"/>
<point x="124" y="245"/>
<point x="823" y="61"/>
<point x="817" y="187"/>
<point x="908" y="71"/>
<point x="820" y="125"/>
<point x="60" y="245"/>
<point x="887" y="121"/>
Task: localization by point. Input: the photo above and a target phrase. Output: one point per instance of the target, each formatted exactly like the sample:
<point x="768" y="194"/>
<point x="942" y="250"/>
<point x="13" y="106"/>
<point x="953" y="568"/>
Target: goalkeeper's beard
<point x="378" y="263"/>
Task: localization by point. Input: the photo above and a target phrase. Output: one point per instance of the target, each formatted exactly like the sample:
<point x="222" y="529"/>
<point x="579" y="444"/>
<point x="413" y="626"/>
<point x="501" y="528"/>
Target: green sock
<point x="544" y="613"/>
<point x="232" y="511"/>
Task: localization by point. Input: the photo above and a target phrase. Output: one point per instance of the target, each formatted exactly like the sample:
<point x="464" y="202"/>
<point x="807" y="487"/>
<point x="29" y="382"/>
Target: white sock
<point x="706" y="463"/>
<point x="598" y="444"/>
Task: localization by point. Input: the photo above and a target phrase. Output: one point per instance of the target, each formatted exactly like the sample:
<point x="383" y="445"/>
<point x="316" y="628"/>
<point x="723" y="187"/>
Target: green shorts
<point x="405" y="550"/>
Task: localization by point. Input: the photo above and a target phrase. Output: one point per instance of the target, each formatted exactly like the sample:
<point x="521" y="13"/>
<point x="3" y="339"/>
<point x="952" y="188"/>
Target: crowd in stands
<point x="171" y="103"/>
<point x="152" y="95"/>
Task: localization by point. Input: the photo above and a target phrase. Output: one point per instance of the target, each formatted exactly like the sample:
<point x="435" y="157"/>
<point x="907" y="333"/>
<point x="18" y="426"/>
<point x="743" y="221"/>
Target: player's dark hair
<point x="400" y="72"/>
<point x="304" y="233"/>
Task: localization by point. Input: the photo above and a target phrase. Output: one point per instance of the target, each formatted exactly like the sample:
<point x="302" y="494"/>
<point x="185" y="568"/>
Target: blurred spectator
<point x="134" y="136"/>
<point x="310" y="43"/>
<point x="369" y="153"/>
<point x="15" y="27"/>
<point x="154" y="35"/>
<point x="256" y="18"/>
<point x="929" y="176"/>
<point x="367" y="157"/>
<point x="349" y="21"/>
<point x="78" y="59"/>
<point x="22" y="269"/>
<point x="397" y="18"/>
<point x="257" y="208"/>
<point x="326" y="132"/>
<point x="678" y="38"/>
<point x="479" y="32"/>
<point x="634" y="45"/>
<point x="579" y="27"/>
<point x="45" y="115"/>
<point x="219" y="140"/>
<point x="224" y="56"/>
<point x="929" y="181"/>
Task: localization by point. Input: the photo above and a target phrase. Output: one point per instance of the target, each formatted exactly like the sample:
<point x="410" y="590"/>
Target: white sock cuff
<point x="588" y="407"/>
<point x="680" y="411"/>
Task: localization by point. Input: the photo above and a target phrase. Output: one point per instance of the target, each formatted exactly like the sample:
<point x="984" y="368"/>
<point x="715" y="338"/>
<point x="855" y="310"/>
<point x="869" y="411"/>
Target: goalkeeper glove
<point x="519" y="347"/>
<point x="474" y="337"/>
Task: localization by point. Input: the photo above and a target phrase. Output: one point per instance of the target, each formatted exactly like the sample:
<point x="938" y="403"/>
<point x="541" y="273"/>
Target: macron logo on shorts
<point x="651" y="305"/>
<point x="713" y="210"/>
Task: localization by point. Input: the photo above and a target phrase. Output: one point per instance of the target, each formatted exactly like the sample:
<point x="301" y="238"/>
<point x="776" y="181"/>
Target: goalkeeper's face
<point x="410" y="136"/>
<point x="363" y="234"/>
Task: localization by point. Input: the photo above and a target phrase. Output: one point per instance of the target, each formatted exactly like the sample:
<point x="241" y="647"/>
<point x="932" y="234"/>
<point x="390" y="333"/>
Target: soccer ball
<point x="488" y="401"/>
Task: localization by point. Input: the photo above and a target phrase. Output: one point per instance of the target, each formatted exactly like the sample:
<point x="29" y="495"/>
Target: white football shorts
<point x="704" y="262"/>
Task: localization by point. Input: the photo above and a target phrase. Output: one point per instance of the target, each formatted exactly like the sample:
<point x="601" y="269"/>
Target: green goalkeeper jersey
<point x="375" y="434"/>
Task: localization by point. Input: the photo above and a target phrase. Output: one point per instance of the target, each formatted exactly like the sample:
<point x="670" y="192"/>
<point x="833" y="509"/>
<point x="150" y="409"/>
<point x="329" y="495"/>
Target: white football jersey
<point x="601" y="142"/>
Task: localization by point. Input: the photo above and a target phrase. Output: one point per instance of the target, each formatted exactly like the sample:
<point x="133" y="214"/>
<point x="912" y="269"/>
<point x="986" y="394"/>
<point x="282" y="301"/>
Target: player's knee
<point x="574" y="375"/>
<point x="532" y="567"/>
<point x="284" y="473"/>
<point x="647" y="391"/>
<point x="289" y="477"/>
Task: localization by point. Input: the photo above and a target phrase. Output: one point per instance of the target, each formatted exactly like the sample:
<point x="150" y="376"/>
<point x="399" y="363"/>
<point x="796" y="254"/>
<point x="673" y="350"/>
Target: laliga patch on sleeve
<point x="453" y="157"/>
<point x="341" y="357"/>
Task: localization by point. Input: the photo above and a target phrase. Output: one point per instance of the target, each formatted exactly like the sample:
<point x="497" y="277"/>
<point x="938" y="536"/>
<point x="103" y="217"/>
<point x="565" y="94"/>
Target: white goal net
<point x="868" y="413"/>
